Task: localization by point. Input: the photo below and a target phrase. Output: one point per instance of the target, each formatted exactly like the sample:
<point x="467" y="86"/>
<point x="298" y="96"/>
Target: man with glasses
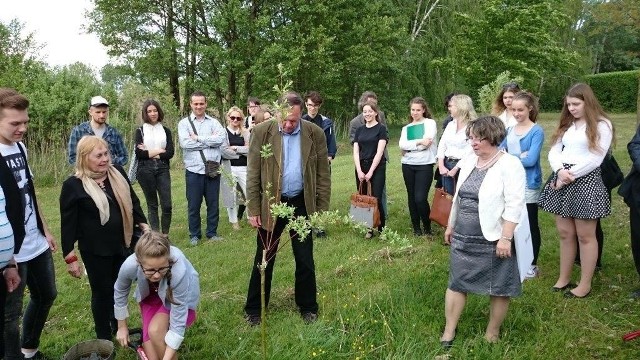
<point x="297" y="174"/>
<point x="200" y="138"/>
<point x="313" y="102"/>
<point x="253" y="105"/>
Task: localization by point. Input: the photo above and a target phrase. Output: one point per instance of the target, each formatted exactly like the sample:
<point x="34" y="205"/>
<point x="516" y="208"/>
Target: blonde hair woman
<point x="98" y="209"/>
<point x="453" y="144"/>
<point x="234" y="160"/>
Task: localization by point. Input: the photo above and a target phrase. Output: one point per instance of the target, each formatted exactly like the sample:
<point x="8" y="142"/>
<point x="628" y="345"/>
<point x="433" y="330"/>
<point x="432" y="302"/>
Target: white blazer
<point x="501" y="195"/>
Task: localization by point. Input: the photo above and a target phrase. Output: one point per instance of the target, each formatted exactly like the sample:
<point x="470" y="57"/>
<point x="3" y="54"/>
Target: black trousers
<point x="417" y="180"/>
<point x="534" y="228"/>
<point x="634" y="220"/>
<point x="102" y="272"/>
<point x="377" y="185"/>
<point x="305" y="275"/>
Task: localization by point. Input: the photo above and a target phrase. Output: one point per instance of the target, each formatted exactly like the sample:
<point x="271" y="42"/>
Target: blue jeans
<point x="448" y="182"/>
<point x="39" y="275"/>
<point x="155" y="182"/>
<point x="200" y="186"/>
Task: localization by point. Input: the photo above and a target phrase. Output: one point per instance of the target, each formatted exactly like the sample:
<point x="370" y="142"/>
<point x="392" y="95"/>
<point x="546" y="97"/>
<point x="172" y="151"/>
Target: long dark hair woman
<point x="418" y="147"/>
<point x="369" y="143"/>
<point x="154" y="149"/>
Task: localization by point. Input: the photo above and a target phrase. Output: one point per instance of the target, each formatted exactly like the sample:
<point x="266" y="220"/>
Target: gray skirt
<point x="475" y="268"/>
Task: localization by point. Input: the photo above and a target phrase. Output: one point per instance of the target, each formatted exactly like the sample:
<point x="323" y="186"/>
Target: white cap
<point x="98" y="101"/>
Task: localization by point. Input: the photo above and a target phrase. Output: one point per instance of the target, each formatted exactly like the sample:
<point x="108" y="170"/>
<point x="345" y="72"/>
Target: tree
<point x="613" y="35"/>
<point x="515" y="36"/>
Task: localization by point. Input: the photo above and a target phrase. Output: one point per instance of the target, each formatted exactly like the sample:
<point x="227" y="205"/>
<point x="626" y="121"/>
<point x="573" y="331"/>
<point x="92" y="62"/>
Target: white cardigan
<point x="501" y="195"/>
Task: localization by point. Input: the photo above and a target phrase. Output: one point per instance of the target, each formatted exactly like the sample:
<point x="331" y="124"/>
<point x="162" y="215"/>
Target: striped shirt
<point x="6" y="233"/>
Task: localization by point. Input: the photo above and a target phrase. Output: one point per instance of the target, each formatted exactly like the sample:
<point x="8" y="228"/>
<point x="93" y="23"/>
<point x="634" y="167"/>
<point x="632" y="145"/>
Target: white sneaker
<point x="533" y="272"/>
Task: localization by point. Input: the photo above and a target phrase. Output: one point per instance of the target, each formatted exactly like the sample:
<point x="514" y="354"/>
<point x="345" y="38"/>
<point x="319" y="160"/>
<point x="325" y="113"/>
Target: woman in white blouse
<point x="418" y="147"/>
<point x="576" y="193"/>
<point x="154" y="149"/>
<point x="453" y="144"/>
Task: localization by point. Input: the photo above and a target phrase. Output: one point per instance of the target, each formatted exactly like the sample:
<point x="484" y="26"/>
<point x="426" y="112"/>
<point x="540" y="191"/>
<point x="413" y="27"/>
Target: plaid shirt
<point x="111" y="136"/>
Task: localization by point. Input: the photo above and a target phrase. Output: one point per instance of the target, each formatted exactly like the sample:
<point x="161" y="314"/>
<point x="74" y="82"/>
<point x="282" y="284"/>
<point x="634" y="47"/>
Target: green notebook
<point x="415" y="132"/>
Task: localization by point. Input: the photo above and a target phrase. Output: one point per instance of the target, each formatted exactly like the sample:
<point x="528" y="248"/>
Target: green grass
<point x="375" y="302"/>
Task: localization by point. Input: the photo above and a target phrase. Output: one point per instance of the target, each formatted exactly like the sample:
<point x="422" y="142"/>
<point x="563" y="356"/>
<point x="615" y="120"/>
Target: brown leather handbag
<point x="364" y="208"/>
<point x="441" y="207"/>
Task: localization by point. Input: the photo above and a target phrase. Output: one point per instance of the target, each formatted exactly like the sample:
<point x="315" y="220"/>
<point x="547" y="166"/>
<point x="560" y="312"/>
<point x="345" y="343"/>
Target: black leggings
<point x="534" y="228"/>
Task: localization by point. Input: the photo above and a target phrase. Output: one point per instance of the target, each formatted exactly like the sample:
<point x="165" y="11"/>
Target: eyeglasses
<point x="511" y="85"/>
<point x="150" y="272"/>
<point x="235" y="118"/>
<point x="475" y="140"/>
<point x="312" y="105"/>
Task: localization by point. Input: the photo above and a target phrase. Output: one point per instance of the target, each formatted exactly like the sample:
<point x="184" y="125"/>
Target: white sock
<point x="29" y="355"/>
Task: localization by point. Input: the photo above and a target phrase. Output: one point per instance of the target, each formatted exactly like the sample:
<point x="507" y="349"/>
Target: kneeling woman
<point x="486" y="208"/>
<point x="168" y="292"/>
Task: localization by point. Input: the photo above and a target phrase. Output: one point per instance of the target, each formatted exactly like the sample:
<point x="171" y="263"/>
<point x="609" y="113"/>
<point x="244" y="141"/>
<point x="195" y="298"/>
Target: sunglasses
<point x="511" y="85"/>
<point x="235" y="118"/>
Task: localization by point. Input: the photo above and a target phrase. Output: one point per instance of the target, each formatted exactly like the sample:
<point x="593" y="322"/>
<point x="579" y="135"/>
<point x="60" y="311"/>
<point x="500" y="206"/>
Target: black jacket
<point x="15" y="202"/>
<point x="80" y="220"/>
<point x="630" y="187"/>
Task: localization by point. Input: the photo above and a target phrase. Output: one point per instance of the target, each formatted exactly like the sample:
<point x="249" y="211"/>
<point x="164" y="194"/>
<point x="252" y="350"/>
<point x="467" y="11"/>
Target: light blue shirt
<point x="211" y="135"/>
<point x="292" y="183"/>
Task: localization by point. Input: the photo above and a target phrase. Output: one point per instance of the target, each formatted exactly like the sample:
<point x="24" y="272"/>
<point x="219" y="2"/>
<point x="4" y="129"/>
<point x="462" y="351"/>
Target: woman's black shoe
<point x="447" y="344"/>
<point x="569" y="295"/>
<point x="569" y="285"/>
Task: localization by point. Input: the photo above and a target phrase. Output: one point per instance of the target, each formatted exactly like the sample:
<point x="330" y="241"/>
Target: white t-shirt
<point x="35" y="243"/>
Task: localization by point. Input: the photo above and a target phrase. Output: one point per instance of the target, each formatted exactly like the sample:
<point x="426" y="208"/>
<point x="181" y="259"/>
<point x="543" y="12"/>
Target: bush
<point x="616" y="91"/>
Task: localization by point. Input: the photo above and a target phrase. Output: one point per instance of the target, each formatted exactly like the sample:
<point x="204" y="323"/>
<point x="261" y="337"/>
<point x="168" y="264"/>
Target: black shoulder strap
<point x="204" y="159"/>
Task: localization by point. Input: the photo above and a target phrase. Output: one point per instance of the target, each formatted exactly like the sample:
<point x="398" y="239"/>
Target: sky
<point x="58" y="24"/>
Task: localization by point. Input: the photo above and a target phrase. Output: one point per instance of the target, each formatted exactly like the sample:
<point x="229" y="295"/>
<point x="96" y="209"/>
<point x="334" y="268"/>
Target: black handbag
<point x="612" y="176"/>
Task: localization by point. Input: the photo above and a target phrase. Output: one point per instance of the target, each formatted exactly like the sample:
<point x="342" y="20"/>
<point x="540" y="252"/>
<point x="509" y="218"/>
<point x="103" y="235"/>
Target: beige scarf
<point x="120" y="188"/>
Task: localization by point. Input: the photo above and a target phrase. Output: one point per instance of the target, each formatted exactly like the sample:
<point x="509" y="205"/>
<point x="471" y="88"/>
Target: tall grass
<point x="375" y="302"/>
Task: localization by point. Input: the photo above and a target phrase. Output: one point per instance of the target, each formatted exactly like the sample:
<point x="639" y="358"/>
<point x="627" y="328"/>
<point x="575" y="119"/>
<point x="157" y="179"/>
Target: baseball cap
<point x="98" y="101"/>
